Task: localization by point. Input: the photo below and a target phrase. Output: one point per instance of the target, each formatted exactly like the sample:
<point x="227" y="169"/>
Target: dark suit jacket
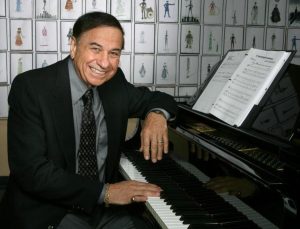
<point x="43" y="185"/>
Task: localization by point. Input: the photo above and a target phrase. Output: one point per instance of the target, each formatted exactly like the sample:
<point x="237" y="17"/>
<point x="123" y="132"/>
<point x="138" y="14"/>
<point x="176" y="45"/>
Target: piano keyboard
<point x="184" y="202"/>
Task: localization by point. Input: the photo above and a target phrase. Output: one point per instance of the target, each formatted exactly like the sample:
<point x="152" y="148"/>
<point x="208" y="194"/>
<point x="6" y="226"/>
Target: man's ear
<point x="73" y="46"/>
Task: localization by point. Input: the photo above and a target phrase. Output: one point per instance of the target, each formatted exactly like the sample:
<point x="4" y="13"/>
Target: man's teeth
<point x="96" y="70"/>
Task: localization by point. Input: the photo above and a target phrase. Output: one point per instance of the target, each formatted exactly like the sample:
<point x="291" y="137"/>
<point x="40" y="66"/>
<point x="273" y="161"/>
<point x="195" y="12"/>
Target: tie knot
<point x="88" y="97"/>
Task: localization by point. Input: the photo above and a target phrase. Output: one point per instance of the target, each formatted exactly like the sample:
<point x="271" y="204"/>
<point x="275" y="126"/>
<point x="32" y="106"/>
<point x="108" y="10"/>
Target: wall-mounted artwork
<point x="144" y="38"/>
<point x="190" y="38"/>
<point x="2" y="8"/>
<point x="293" y="40"/>
<point x="235" y="12"/>
<point x="45" y="59"/>
<point x="95" y="5"/>
<point x="256" y="12"/>
<point x="143" y="69"/>
<point x="125" y="65"/>
<point x="168" y="10"/>
<point x="276" y="15"/>
<point x="207" y="65"/>
<point x="233" y="38"/>
<point x="3" y="37"/>
<point x="21" y="34"/>
<point x="165" y="69"/>
<point x="19" y="63"/>
<point x="213" y="11"/>
<point x="3" y="101"/>
<point x="127" y="37"/>
<point x="121" y="9"/>
<point x="275" y="39"/>
<point x="254" y="38"/>
<point x="188" y="69"/>
<point x="212" y="40"/>
<point x="145" y="11"/>
<point x="190" y="11"/>
<point x="3" y="68"/>
<point x="46" y="9"/>
<point x="46" y="36"/>
<point x="66" y="34"/>
<point x="167" y="38"/>
<point x="70" y="9"/>
<point x="20" y="8"/>
<point x="294" y="13"/>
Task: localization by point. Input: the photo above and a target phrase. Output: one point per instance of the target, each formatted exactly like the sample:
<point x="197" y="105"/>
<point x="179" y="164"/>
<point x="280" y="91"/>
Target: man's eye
<point x="115" y="54"/>
<point x="96" y="49"/>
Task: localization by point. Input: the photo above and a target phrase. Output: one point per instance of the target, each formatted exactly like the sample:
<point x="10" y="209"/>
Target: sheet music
<point x="247" y="85"/>
<point x="220" y="78"/>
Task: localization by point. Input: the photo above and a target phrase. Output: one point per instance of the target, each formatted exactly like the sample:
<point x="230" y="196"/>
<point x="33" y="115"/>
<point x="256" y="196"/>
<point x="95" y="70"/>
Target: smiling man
<point x="66" y="126"/>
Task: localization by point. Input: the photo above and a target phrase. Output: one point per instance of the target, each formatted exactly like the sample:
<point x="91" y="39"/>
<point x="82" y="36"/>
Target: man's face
<point x="96" y="54"/>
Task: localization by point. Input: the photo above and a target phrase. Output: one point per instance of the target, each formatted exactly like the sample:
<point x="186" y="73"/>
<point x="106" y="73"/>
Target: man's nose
<point x="103" y="59"/>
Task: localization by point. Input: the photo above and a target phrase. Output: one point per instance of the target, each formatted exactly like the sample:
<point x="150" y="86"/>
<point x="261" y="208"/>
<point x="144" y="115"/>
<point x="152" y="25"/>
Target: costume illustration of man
<point x="20" y="65"/>
<point x="166" y="40"/>
<point x="142" y="71"/>
<point x="234" y="20"/>
<point x="253" y="42"/>
<point x="164" y="72"/>
<point x="19" y="37"/>
<point x="44" y="64"/>
<point x="232" y="41"/>
<point x="210" y="41"/>
<point x="190" y="9"/>
<point x="94" y="3"/>
<point x="188" y="67"/>
<point x="167" y="8"/>
<point x="69" y="5"/>
<point x="44" y="5"/>
<point x="254" y="13"/>
<point x="275" y="16"/>
<point x="143" y="6"/>
<point x="69" y="35"/>
<point x="142" y="37"/>
<point x="273" y="38"/>
<point x="189" y="39"/>
<point x="208" y="68"/>
<point x="212" y="8"/>
<point x="44" y="35"/>
<point x="18" y="5"/>
<point x="294" y="43"/>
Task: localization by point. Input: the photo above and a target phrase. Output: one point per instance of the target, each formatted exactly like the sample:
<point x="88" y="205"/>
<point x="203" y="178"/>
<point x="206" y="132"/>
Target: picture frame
<point x="21" y="34"/>
<point x="2" y="8"/>
<point x="127" y="36"/>
<point x="235" y="12"/>
<point x="213" y="11"/>
<point x="145" y="11"/>
<point x="277" y="13"/>
<point x="293" y="13"/>
<point x="212" y="40"/>
<point x="256" y="12"/>
<point x="168" y="10"/>
<point x="19" y="63"/>
<point x="207" y="65"/>
<point x="3" y="37"/>
<point x="66" y="32"/>
<point x="45" y="59"/>
<point x="144" y="38"/>
<point x="234" y="38"/>
<point x="188" y="69"/>
<point x="21" y="9"/>
<point x="167" y="38"/>
<point x="190" y="11"/>
<point x="143" y="69"/>
<point x="3" y="101"/>
<point x="46" y="36"/>
<point x="125" y="65"/>
<point x="293" y="41"/>
<point x="46" y="9"/>
<point x="165" y="69"/>
<point x="70" y="9"/>
<point x="3" y="68"/>
<point x="94" y="5"/>
<point x="190" y="38"/>
<point x="121" y="9"/>
<point x="254" y="37"/>
<point x="274" y="39"/>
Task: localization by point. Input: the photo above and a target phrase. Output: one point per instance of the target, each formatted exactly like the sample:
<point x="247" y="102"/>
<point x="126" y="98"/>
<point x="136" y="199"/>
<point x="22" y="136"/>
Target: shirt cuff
<point x="166" y="113"/>
<point x="102" y="194"/>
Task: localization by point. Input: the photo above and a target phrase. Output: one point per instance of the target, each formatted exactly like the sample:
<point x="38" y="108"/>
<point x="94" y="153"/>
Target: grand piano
<point x="230" y="177"/>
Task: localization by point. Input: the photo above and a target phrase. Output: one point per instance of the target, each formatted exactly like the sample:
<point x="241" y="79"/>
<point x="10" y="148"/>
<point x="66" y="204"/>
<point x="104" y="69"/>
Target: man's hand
<point x="154" y="137"/>
<point x="126" y="192"/>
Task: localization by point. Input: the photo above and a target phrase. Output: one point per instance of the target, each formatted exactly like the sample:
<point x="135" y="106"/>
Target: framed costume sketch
<point x="254" y="38"/>
<point x="3" y="68"/>
<point x="212" y="40"/>
<point x="207" y="65"/>
<point x="276" y="15"/>
<point x="143" y="69"/>
<point x="144" y="38"/>
<point x="188" y="69"/>
<point x="294" y="13"/>
<point x="94" y="5"/>
<point x="256" y="12"/>
<point x="45" y="35"/>
<point x="145" y="11"/>
<point x="46" y="9"/>
<point x="167" y="90"/>
<point x="19" y="62"/>
<point x="21" y="34"/>
<point x="234" y="37"/>
<point x="21" y="8"/>
<point x="66" y="33"/>
<point x="213" y="11"/>
<point x="168" y="10"/>
<point x="44" y="59"/>
<point x="121" y="9"/>
<point x="293" y="40"/>
<point x="127" y="37"/>
<point x="70" y="9"/>
<point x="3" y="37"/>
<point x="125" y="65"/>
<point x="190" y="38"/>
<point x="190" y="11"/>
<point x="3" y="101"/>
<point x="166" y="69"/>
<point x="167" y="38"/>
<point x="2" y="8"/>
<point x="275" y="39"/>
<point x="235" y="12"/>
